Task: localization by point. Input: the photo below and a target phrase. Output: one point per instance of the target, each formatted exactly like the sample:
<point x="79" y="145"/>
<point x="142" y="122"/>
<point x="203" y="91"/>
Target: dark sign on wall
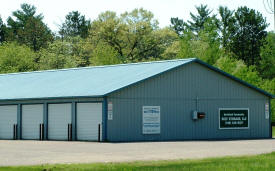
<point x="237" y="118"/>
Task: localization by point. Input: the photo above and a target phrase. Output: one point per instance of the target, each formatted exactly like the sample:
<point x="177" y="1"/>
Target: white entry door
<point x="59" y="116"/>
<point x="32" y="117"/>
<point x="89" y="116"/>
<point x="8" y="117"/>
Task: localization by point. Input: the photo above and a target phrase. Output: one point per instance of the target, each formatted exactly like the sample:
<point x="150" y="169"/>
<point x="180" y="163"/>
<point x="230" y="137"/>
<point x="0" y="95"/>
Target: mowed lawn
<point x="273" y="131"/>
<point x="257" y="162"/>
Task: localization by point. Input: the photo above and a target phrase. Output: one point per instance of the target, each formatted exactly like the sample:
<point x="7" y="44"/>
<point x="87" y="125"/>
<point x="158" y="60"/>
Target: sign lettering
<point x="233" y="118"/>
<point x="151" y="120"/>
<point x="110" y="111"/>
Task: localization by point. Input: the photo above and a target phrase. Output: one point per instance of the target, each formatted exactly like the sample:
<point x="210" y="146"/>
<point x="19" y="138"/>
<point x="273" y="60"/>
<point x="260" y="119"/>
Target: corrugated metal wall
<point x="177" y="92"/>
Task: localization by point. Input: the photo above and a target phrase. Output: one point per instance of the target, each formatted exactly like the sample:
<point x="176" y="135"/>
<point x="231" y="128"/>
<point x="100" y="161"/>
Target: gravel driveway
<point x="43" y="152"/>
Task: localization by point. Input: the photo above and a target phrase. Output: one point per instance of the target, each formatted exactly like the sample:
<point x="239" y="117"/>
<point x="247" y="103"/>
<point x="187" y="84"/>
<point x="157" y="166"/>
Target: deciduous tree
<point x="58" y="55"/>
<point x="16" y="58"/>
<point x="134" y="35"/>
<point x="266" y="66"/>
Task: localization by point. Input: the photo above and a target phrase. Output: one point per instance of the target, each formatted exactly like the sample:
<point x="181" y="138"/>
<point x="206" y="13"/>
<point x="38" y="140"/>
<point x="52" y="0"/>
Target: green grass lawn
<point x="257" y="162"/>
<point x="273" y="131"/>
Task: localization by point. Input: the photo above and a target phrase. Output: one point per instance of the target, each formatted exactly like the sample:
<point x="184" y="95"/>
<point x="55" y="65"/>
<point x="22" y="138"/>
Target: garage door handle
<point x="14" y="131"/>
<point x="98" y="133"/>
<point x="41" y="132"/>
<point x="69" y="132"/>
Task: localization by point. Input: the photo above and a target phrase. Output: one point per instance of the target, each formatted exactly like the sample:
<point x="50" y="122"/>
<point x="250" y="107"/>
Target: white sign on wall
<point x="151" y="120"/>
<point x="266" y="110"/>
<point x="110" y="111"/>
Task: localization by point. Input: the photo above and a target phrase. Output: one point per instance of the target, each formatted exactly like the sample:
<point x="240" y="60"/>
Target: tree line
<point x="235" y="41"/>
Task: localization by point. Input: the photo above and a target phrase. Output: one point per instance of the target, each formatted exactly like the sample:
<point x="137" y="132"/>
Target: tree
<point x="35" y="34"/>
<point x="134" y="35"/>
<point x="248" y="35"/>
<point x="58" y="55"/>
<point x="172" y="51"/>
<point x="210" y="37"/>
<point x="239" y="69"/>
<point x="2" y="31"/>
<point x="104" y="54"/>
<point x="226" y="25"/>
<point x="16" y="58"/>
<point x="80" y="48"/>
<point x="75" y="25"/>
<point x="198" y="21"/>
<point x="205" y="45"/>
<point x="28" y="28"/>
<point x="167" y="40"/>
<point x="267" y="63"/>
<point x="186" y="45"/>
<point x="178" y="25"/>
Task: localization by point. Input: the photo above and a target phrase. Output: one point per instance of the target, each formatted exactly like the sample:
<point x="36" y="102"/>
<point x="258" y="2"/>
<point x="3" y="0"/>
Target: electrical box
<point x="201" y="115"/>
<point x="197" y="115"/>
<point x="194" y="115"/>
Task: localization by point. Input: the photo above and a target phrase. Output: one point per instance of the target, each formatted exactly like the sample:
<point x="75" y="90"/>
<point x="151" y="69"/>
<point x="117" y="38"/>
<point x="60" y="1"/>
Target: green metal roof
<point x="95" y="81"/>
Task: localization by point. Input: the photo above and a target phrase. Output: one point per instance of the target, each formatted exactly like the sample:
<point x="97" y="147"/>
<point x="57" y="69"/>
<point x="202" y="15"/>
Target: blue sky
<point x="54" y="11"/>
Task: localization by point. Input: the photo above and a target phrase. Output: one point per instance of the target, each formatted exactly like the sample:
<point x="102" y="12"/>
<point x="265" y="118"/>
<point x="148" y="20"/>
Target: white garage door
<point x="8" y="117"/>
<point x="89" y="115"/>
<point x="32" y="117"/>
<point x="59" y="116"/>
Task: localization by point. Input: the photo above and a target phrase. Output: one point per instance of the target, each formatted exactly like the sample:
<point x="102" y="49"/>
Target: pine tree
<point x="75" y="25"/>
<point x="248" y="35"/>
<point x="28" y="28"/>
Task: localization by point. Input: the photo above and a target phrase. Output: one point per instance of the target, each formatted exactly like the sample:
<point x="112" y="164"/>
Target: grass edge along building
<point x="183" y="99"/>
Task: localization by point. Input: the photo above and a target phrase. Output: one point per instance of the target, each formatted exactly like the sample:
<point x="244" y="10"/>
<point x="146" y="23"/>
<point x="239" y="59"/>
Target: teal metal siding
<point x="104" y="119"/>
<point x="176" y="92"/>
<point x="270" y="116"/>
<point x="73" y="121"/>
<point x="45" y="117"/>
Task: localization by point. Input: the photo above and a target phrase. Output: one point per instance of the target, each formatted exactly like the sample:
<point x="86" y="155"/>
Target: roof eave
<point x="52" y="98"/>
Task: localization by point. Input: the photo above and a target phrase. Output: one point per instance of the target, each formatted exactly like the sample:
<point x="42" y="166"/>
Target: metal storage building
<point x="182" y="99"/>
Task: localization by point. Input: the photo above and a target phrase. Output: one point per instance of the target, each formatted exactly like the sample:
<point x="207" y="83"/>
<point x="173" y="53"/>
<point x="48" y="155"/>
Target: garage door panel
<point x="8" y="117"/>
<point x="32" y="117"/>
<point x="59" y="116"/>
<point x="89" y="115"/>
